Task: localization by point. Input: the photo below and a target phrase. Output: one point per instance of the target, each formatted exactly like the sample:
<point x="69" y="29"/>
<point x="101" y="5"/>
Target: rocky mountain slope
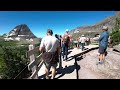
<point x="23" y="34"/>
<point x="21" y="31"/>
<point x="96" y="28"/>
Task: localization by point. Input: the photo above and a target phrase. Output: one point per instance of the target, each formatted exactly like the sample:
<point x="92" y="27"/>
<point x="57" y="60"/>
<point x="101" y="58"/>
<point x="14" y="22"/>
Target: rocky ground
<point x="109" y="70"/>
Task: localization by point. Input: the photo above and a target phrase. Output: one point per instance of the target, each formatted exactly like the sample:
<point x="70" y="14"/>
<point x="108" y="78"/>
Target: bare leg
<point x="47" y="73"/>
<point x="53" y="72"/>
<point x="103" y="57"/>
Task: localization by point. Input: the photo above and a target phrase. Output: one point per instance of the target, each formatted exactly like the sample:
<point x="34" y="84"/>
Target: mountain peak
<point x="22" y="31"/>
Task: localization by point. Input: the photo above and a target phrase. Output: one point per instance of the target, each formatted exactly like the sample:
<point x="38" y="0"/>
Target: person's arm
<point x="70" y="38"/>
<point x="101" y="37"/>
<point x="80" y="39"/>
<point x="85" y="39"/>
<point x="62" y="39"/>
<point x="41" y="49"/>
<point x="42" y="46"/>
<point x="58" y="49"/>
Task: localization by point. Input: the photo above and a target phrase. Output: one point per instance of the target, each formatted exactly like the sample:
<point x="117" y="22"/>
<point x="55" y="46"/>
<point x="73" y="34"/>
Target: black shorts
<point x="49" y="65"/>
<point x="102" y="50"/>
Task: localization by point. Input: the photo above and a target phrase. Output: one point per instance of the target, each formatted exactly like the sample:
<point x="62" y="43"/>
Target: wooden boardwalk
<point x="68" y="69"/>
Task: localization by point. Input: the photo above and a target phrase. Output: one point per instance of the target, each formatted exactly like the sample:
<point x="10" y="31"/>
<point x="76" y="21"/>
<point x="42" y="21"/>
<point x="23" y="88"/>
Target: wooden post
<point x="32" y="57"/>
<point x="60" y="60"/>
<point x="77" y="76"/>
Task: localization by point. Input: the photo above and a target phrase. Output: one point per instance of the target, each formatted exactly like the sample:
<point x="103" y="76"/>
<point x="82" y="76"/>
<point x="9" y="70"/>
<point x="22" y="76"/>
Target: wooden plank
<point x="31" y="65"/>
<point x="32" y="58"/>
<point x="85" y="51"/>
<point x="38" y="57"/>
<point x="29" y="53"/>
<point x="34" y="62"/>
<point x="36" y="71"/>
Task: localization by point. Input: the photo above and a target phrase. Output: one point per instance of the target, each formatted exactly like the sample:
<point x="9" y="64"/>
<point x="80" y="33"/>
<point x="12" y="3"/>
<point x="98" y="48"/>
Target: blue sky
<point x="58" y="21"/>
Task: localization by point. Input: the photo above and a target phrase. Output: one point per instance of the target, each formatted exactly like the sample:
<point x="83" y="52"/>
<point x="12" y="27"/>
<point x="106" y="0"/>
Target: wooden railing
<point x="35" y="61"/>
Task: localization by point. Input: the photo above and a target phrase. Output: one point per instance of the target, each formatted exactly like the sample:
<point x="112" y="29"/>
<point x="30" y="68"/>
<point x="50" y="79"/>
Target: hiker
<point x="79" y="43"/>
<point x="87" y="41"/>
<point x="82" y="41"/>
<point x="50" y="48"/>
<point x="65" y="44"/>
<point x="59" y="37"/>
<point x="103" y="43"/>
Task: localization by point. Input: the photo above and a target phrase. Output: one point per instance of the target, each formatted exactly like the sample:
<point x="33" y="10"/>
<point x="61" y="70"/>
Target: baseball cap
<point x="66" y="30"/>
<point x="105" y="28"/>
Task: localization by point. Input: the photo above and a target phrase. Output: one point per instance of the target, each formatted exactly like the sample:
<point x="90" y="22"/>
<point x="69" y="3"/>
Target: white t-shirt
<point x="50" y="43"/>
<point x="82" y="39"/>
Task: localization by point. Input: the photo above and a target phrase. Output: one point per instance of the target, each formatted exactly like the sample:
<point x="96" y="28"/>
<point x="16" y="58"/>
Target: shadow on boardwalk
<point x="69" y="69"/>
<point x="62" y="71"/>
<point x="66" y="70"/>
<point x="77" y="59"/>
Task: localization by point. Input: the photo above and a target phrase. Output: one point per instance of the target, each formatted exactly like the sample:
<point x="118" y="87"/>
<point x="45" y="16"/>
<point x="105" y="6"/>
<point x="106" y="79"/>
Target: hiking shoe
<point x="97" y="63"/>
<point x="102" y="62"/>
<point x="47" y="77"/>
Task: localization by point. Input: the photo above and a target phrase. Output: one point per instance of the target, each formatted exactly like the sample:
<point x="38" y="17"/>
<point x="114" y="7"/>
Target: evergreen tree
<point x="13" y="60"/>
<point x="115" y="35"/>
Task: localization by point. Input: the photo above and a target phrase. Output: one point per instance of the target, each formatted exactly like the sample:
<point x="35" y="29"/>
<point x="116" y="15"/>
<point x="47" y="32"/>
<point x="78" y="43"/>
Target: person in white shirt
<point x="50" y="44"/>
<point x="82" y="40"/>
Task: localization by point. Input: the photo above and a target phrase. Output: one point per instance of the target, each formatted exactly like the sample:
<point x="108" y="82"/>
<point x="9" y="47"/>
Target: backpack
<point x="66" y="39"/>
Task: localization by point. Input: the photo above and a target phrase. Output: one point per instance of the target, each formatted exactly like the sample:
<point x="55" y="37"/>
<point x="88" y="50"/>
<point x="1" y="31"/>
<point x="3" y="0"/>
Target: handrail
<point x="36" y="71"/>
<point x="35" y="61"/>
<point x="85" y="51"/>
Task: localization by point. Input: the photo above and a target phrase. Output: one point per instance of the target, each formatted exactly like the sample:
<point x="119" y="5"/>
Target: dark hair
<point x="50" y="31"/>
<point x="56" y="35"/>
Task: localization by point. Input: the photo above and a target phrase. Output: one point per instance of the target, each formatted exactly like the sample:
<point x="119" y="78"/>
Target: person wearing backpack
<point x="65" y="44"/>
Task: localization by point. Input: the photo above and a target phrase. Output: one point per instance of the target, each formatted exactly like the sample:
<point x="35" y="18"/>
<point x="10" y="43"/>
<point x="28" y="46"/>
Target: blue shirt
<point x="103" y="40"/>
